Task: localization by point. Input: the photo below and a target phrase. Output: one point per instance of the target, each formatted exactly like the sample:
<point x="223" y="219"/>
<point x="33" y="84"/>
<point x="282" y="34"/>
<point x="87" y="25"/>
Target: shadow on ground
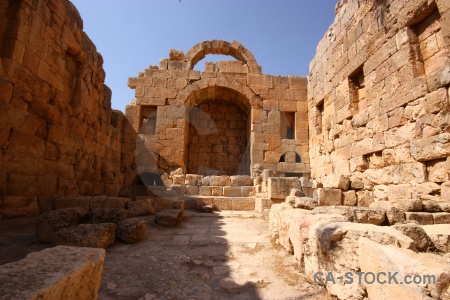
<point x="226" y="255"/>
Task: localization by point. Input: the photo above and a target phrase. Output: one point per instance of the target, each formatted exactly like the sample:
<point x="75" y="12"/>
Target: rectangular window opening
<point x="147" y="120"/>
<point x="287" y="125"/>
<point x="319" y="117"/>
<point x="427" y="41"/>
<point x="357" y="87"/>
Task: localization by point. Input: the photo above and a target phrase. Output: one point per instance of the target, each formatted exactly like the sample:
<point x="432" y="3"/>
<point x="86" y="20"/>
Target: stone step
<point x="221" y="203"/>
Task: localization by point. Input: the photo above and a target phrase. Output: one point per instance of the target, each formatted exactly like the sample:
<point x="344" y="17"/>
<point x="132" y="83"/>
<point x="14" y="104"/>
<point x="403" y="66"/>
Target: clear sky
<point x="133" y="34"/>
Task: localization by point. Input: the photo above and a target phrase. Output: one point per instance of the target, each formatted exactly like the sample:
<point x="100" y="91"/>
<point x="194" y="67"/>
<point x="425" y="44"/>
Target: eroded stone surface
<point x="132" y="230"/>
<point x="417" y="234"/>
<point x="332" y="247"/>
<point x="60" y="272"/>
<point x="49" y="223"/>
<point x="378" y="258"/>
<point x="108" y="215"/>
<point x="87" y="235"/>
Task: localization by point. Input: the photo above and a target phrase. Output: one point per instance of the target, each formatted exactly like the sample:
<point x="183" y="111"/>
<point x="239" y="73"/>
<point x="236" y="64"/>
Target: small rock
<point x="197" y="262"/>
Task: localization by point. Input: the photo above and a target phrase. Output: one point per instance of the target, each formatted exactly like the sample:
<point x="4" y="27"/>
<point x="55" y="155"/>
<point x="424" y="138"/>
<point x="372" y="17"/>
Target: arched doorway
<point x="218" y="133"/>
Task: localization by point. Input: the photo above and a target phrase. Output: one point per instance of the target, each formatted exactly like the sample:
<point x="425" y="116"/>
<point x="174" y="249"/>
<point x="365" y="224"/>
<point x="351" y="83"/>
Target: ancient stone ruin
<point x="351" y="164"/>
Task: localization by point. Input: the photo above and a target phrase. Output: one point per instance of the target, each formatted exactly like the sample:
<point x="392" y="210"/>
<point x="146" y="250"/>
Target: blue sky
<point x="133" y="34"/>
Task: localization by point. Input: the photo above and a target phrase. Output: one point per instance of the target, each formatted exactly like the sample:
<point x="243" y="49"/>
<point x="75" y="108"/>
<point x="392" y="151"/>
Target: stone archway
<point x="234" y="49"/>
<point x="218" y="133"/>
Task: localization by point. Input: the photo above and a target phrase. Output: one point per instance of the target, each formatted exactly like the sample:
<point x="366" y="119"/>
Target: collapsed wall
<point x="58" y="133"/>
<point x="378" y="99"/>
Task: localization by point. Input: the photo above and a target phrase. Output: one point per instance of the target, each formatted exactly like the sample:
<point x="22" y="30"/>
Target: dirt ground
<point x="226" y="255"/>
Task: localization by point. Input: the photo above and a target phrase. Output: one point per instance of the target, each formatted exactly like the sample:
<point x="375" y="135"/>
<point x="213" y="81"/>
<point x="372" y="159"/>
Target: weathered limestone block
<point x="299" y="226"/>
<point x="274" y="219"/>
<point x="108" y="215"/>
<point x="355" y="214"/>
<point x="368" y="215"/>
<point x="378" y="258"/>
<point x="67" y="202"/>
<point x="179" y="189"/>
<point x="169" y="218"/>
<point x="394" y="215"/>
<point x="285" y="217"/>
<point x="407" y="204"/>
<point x="439" y="235"/>
<point x="296" y="193"/>
<point x="356" y="185"/>
<point x="417" y="234"/>
<point x="431" y="148"/>
<point x="248" y="191"/>
<point x="328" y="197"/>
<point x="441" y="218"/>
<point x="349" y="198"/>
<point x="241" y="180"/>
<point x="431" y="206"/>
<point x="333" y="247"/>
<point x="132" y="230"/>
<point x="108" y="202"/>
<point x="193" y="179"/>
<point x="178" y="179"/>
<point x="204" y="191"/>
<point x="280" y="187"/>
<point x="301" y="202"/>
<point x="334" y="181"/>
<point x="216" y="190"/>
<point x="438" y="171"/>
<point x="141" y="207"/>
<point x="19" y="206"/>
<point x="232" y="191"/>
<point x="219" y="180"/>
<point x="400" y="191"/>
<point x="86" y="235"/>
<point x="49" y="223"/>
<point x="241" y="204"/>
<point x="365" y="198"/>
<point x="60" y="272"/>
<point x="421" y="218"/>
<point x="192" y="190"/>
<point x="445" y="191"/>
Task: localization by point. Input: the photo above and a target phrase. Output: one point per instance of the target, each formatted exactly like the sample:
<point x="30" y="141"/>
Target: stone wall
<point x="378" y="96"/>
<point x="274" y="113"/>
<point x="58" y="134"/>
<point x="217" y="141"/>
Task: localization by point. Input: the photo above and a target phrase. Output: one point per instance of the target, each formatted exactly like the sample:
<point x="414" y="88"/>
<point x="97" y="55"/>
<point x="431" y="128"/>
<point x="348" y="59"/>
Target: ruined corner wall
<point x="378" y="96"/>
<point x="58" y="134"/>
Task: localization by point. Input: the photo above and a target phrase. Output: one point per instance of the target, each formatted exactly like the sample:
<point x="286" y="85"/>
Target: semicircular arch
<point x="234" y="49"/>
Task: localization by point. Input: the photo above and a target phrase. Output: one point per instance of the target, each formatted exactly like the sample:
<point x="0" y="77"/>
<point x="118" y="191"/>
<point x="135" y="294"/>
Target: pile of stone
<point x="99" y="228"/>
<point x="327" y="237"/>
